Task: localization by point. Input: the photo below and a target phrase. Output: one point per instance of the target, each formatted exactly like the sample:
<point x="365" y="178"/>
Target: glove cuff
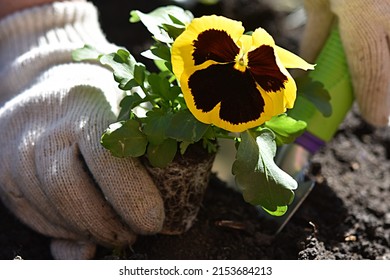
<point x="35" y="39"/>
<point x="59" y="24"/>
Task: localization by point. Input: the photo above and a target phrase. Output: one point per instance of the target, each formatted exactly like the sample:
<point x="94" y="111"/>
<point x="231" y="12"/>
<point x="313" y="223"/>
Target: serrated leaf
<point x="184" y="127"/>
<point x="156" y="125"/>
<point x="127" y="104"/>
<point x="163" y="154"/>
<point x="162" y="87"/>
<point x="154" y="20"/>
<point x="87" y="52"/>
<point x="124" y="139"/>
<point x="173" y="92"/>
<point x="316" y="93"/>
<point x="262" y="182"/>
<point x="122" y="63"/>
<point x="163" y="65"/>
<point x="162" y="51"/>
<point x="160" y="56"/>
<point x="286" y="128"/>
<point x="126" y="85"/>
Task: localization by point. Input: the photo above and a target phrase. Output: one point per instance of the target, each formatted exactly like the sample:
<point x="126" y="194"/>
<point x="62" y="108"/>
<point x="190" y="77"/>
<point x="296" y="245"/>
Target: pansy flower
<point x="230" y="79"/>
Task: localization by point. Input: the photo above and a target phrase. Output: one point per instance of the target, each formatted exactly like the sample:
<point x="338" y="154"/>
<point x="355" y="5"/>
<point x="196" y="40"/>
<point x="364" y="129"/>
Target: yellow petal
<point x="232" y="27"/>
<point x="183" y="46"/>
<point x="181" y="53"/>
<point x="245" y="43"/>
<point x="261" y="37"/>
<point x="275" y="102"/>
<point x="290" y="60"/>
<point x="205" y="117"/>
<point x="239" y="127"/>
<point x="290" y="91"/>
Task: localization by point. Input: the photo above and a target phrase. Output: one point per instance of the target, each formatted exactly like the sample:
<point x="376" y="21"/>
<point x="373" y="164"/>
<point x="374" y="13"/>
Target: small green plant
<point x="213" y="81"/>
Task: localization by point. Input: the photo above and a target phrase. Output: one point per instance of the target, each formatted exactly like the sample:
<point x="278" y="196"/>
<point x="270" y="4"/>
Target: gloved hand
<point x="54" y="175"/>
<point x="364" y="29"/>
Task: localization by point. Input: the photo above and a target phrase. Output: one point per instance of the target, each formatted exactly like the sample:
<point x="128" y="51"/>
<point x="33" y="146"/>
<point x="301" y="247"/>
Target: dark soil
<point x="346" y="216"/>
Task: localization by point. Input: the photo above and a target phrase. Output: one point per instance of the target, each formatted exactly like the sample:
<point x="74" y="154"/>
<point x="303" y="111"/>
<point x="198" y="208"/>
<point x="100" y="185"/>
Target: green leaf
<point x="156" y="125"/>
<point x="162" y="51"/>
<point x="184" y="127"/>
<point x="162" y="65"/>
<point x="263" y="183"/>
<point x="316" y="93"/>
<point x="161" y="55"/>
<point x="154" y="20"/>
<point x="162" y="87"/>
<point x="183" y="147"/>
<point x="127" y="104"/>
<point x="87" y="52"/>
<point x="176" y="20"/>
<point x="208" y="2"/>
<point x="161" y="155"/>
<point x="127" y="85"/>
<point x="174" y="91"/>
<point x="122" y="63"/>
<point x="139" y="73"/>
<point x="173" y="31"/>
<point x="286" y="128"/>
<point x="280" y="211"/>
<point x="134" y="16"/>
<point x="124" y="139"/>
<point x="168" y="65"/>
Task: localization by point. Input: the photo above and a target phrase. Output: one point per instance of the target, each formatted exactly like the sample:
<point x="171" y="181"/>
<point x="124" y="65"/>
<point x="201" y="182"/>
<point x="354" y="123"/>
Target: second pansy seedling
<point x="230" y="79"/>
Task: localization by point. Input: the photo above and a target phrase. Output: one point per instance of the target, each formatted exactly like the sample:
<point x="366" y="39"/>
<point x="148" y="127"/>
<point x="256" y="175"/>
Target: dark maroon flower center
<point x="237" y="91"/>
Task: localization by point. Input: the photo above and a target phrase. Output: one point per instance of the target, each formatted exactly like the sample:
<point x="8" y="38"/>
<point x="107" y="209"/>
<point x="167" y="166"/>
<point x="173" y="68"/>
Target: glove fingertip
<point x="63" y="249"/>
<point x="148" y="218"/>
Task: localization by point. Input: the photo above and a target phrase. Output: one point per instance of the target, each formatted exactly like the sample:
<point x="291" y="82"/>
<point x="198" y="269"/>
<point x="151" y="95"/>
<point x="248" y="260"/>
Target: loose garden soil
<point x="346" y="216"/>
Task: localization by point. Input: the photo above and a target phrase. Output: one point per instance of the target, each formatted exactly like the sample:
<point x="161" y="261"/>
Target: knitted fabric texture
<point x="364" y="29"/>
<point x="54" y="175"/>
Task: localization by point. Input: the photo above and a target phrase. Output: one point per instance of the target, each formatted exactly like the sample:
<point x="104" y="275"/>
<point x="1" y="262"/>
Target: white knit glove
<point x="54" y="174"/>
<point x="365" y="29"/>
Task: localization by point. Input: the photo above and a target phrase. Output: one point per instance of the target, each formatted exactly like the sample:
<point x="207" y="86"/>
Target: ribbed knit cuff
<point x="36" y="39"/>
<point x="60" y="24"/>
